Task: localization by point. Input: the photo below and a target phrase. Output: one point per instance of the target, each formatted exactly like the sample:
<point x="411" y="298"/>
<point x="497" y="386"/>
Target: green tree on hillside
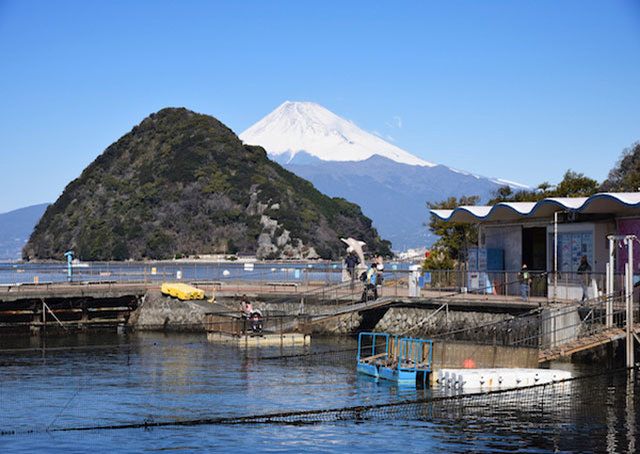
<point x="625" y="176"/>
<point x="506" y="194"/>
<point x="453" y="238"/>
<point x="573" y="184"/>
<point x="183" y="184"/>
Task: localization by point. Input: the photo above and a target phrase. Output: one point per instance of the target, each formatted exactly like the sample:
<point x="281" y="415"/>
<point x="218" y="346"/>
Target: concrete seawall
<point x="416" y="322"/>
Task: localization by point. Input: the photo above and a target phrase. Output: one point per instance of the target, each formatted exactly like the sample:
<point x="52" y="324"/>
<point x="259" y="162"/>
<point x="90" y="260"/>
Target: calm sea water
<point x="295" y="271"/>
<point x="86" y="380"/>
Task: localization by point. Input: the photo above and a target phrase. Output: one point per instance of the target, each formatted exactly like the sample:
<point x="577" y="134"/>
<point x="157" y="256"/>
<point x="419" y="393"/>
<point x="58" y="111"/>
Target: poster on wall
<point x="572" y="247"/>
<point x="482" y="259"/>
<point x="576" y="248"/>
<point x="564" y="252"/>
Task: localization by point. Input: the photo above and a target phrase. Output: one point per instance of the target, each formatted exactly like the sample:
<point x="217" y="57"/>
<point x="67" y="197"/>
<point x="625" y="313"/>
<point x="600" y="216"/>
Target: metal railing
<point x="548" y="327"/>
<point x="313" y="280"/>
<point x="234" y="324"/>
<point x="287" y="275"/>
<point x="149" y="272"/>
<point x="540" y="284"/>
<point x="307" y="273"/>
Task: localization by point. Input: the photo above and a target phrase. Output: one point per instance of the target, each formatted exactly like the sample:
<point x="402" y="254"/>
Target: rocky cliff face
<point x="182" y="183"/>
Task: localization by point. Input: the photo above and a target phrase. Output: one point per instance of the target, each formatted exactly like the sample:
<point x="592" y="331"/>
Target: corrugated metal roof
<point x="617" y="203"/>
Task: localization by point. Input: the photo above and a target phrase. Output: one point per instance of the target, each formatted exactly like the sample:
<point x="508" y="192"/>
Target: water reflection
<point x="101" y="379"/>
<point x="630" y="422"/>
<point x="368" y="385"/>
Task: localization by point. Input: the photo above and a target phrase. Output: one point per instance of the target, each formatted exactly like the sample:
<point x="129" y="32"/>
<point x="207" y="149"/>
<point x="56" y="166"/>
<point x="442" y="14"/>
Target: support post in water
<point x="609" y="286"/>
<point x="630" y="356"/>
<point x="628" y="286"/>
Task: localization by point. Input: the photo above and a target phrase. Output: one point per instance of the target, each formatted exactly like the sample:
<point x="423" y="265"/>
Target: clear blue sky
<point x="510" y="89"/>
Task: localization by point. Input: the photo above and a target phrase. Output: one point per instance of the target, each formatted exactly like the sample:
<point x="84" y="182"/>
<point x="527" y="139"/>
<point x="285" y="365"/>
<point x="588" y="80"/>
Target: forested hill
<point x="182" y="183"/>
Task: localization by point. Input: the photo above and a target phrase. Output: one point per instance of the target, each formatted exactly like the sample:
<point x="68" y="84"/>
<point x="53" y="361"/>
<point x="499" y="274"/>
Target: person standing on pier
<point x="379" y="275"/>
<point x="584" y="271"/>
<point x="245" y="311"/>
<point x="525" y="280"/>
<point x="351" y="262"/>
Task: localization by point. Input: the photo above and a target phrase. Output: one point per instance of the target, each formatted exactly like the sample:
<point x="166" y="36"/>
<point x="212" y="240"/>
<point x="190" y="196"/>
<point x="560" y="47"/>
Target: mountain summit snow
<point x="308" y="127"/>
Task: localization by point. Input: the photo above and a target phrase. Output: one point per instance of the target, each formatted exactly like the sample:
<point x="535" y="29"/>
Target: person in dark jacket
<point x="584" y="271"/>
<point x="351" y="261"/>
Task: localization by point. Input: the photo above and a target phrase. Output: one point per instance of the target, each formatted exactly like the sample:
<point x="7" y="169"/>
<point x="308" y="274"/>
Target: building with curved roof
<point x="524" y="232"/>
<point x="618" y="203"/>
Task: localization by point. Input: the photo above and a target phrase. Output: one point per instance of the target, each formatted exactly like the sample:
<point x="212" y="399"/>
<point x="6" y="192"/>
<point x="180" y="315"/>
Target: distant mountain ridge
<point x="182" y="183"/>
<point x="394" y="195"/>
<point x="391" y="185"/>
<point x="15" y="228"/>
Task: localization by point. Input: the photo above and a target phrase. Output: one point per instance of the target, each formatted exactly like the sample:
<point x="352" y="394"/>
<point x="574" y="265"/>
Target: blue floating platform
<point x="398" y="359"/>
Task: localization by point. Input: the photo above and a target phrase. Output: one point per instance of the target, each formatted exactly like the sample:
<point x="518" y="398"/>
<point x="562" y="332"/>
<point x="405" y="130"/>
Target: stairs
<point x="583" y="343"/>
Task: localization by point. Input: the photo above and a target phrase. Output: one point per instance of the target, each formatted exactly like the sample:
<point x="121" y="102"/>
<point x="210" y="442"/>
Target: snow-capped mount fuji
<point x="308" y="127"/>
<point x="391" y="185"/>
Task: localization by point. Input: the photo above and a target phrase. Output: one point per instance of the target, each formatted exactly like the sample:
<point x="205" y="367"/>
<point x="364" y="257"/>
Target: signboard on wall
<point x="571" y="248"/>
<point x="483" y="259"/>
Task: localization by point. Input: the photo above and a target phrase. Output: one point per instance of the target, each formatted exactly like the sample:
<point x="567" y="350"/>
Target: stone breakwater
<point x="424" y="322"/>
<point x="415" y="322"/>
<point x="159" y="311"/>
<point x="343" y="324"/>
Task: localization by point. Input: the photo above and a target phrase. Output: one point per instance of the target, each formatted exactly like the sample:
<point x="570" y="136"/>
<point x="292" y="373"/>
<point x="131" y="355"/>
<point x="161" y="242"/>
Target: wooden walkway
<point x="584" y="343"/>
<point x="356" y="307"/>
